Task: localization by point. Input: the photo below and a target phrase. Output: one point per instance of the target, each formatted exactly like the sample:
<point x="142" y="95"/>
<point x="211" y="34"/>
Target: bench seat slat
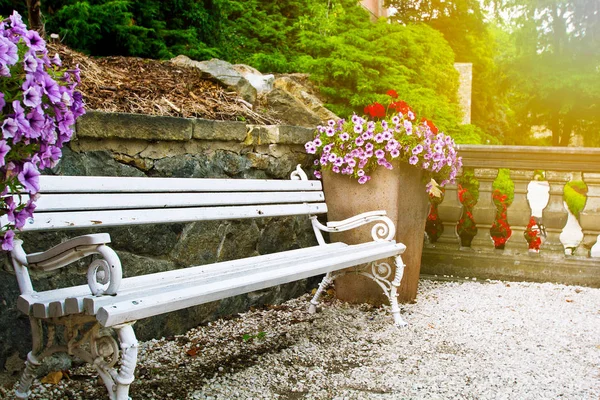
<point x="91" y="305"/>
<point x="115" y="201"/>
<point x="154" y="303"/>
<point x="105" y="184"/>
<point x="86" y="219"/>
<point x="77" y="293"/>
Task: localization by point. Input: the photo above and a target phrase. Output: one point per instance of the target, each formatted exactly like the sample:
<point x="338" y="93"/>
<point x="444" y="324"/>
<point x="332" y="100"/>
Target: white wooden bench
<point x="85" y="313"/>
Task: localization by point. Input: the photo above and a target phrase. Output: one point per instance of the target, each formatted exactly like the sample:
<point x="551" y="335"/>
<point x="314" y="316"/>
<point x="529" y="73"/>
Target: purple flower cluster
<point x="38" y="105"/>
<point x="358" y="146"/>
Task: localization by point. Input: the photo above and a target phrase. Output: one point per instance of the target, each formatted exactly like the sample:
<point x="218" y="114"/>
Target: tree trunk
<point x="555" y="128"/>
<point x="35" y="16"/>
<point x="565" y="134"/>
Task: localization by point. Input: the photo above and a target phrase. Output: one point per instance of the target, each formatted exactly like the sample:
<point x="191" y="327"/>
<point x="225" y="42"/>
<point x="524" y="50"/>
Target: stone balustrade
<point x="570" y="250"/>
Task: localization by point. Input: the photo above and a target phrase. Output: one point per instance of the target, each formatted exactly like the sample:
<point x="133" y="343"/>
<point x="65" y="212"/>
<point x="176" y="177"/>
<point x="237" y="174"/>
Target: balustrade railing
<point x="553" y="214"/>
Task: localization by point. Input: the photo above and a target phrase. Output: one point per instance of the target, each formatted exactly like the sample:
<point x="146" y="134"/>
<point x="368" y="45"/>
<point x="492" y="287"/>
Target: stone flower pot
<point x="401" y="192"/>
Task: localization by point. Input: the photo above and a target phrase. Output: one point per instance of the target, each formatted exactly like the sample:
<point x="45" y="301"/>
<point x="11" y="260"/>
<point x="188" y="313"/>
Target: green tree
<point x="556" y="71"/>
<point x="473" y="40"/>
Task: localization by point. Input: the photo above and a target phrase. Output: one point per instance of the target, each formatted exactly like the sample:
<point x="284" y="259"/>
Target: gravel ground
<point x="466" y="340"/>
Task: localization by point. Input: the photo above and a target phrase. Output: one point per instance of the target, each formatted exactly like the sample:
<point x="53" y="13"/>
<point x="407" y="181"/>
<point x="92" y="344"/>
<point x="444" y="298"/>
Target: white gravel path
<point x="466" y="340"/>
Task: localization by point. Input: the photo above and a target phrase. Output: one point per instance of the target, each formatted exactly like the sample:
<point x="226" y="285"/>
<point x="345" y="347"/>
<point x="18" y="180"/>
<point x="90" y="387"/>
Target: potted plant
<point x="434" y="227"/>
<point x="384" y="159"/>
<point x="538" y="195"/>
<point x="574" y="199"/>
<point x="468" y="195"/>
<point x="39" y="105"/>
<point x="502" y="196"/>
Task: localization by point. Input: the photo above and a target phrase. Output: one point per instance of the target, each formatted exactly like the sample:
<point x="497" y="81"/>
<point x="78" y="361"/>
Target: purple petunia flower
<point x="380" y="153"/>
<point x="369" y="146"/>
<point x="418" y="149"/>
<point x="8" y="52"/>
<point x="34" y="41"/>
<point x="335" y="169"/>
<point x="317" y="174"/>
<point x="358" y="128"/>
<point x="30" y="63"/>
<point x="51" y="89"/>
<point x="36" y="122"/>
<point x="4" y="149"/>
<point x="7" y="240"/>
<point x="379" y="138"/>
<point x="17" y="26"/>
<point x="363" y="179"/>
<point x="4" y="71"/>
<point x="317" y="142"/>
<point x="344" y="136"/>
<point x="395" y="153"/>
<point x="30" y="178"/>
<point x="32" y="97"/>
<point x="413" y="160"/>
<point x="56" y="60"/>
<point x="10" y="129"/>
<point x="359" y="141"/>
<point x="329" y="131"/>
<point x="363" y="162"/>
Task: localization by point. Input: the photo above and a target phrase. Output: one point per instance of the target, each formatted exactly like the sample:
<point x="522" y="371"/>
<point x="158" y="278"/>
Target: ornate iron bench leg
<point x="129" y="352"/>
<point x="312" y="309"/>
<point x="105" y="354"/>
<point x="34" y="360"/>
<point x="380" y="273"/>
<point x="393" y="294"/>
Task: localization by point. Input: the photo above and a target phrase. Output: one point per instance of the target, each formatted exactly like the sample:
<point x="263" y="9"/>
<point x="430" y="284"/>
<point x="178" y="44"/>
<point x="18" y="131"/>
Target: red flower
<point x="375" y="110"/>
<point x="401" y="107"/>
<point x="392" y="93"/>
<point x="431" y="126"/>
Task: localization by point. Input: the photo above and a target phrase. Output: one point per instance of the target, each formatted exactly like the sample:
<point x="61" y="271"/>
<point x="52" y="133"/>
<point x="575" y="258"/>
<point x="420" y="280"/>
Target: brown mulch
<point x="145" y="86"/>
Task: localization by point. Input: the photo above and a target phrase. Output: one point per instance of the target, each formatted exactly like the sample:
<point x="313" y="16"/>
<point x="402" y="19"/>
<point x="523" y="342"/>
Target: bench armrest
<point x="104" y="274"/>
<point x="382" y="231"/>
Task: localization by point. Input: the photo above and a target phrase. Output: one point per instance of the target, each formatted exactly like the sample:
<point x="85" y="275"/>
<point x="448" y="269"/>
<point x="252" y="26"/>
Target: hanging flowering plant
<point x="434" y="227"/>
<point x="358" y="146"/>
<point x="38" y="107"/>
<point x="533" y="234"/>
<point x="500" y="230"/>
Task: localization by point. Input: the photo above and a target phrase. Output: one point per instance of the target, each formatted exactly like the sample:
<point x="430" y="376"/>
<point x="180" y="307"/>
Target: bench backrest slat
<point x="117" y="201"/>
<point x="86" y="219"/>
<point x="69" y="202"/>
<point x="104" y="184"/>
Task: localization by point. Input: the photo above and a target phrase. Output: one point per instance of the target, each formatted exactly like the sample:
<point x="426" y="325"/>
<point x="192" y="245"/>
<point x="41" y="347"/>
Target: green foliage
<point x="505" y="185"/>
<point x="463" y="25"/>
<point x="469" y="182"/>
<point x="259" y="336"/>
<point x="472" y="134"/>
<point x="554" y="76"/>
<point x="357" y="65"/>
<point x="575" y="195"/>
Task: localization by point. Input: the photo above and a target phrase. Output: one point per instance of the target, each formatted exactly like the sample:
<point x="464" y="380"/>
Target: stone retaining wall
<point x="137" y="145"/>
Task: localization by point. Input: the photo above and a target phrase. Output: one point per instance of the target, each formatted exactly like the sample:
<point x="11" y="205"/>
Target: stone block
<point x="219" y="130"/>
<point x="96" y="124"/>
<point x="93" y="163"/>
<point x="289" y="134"/>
